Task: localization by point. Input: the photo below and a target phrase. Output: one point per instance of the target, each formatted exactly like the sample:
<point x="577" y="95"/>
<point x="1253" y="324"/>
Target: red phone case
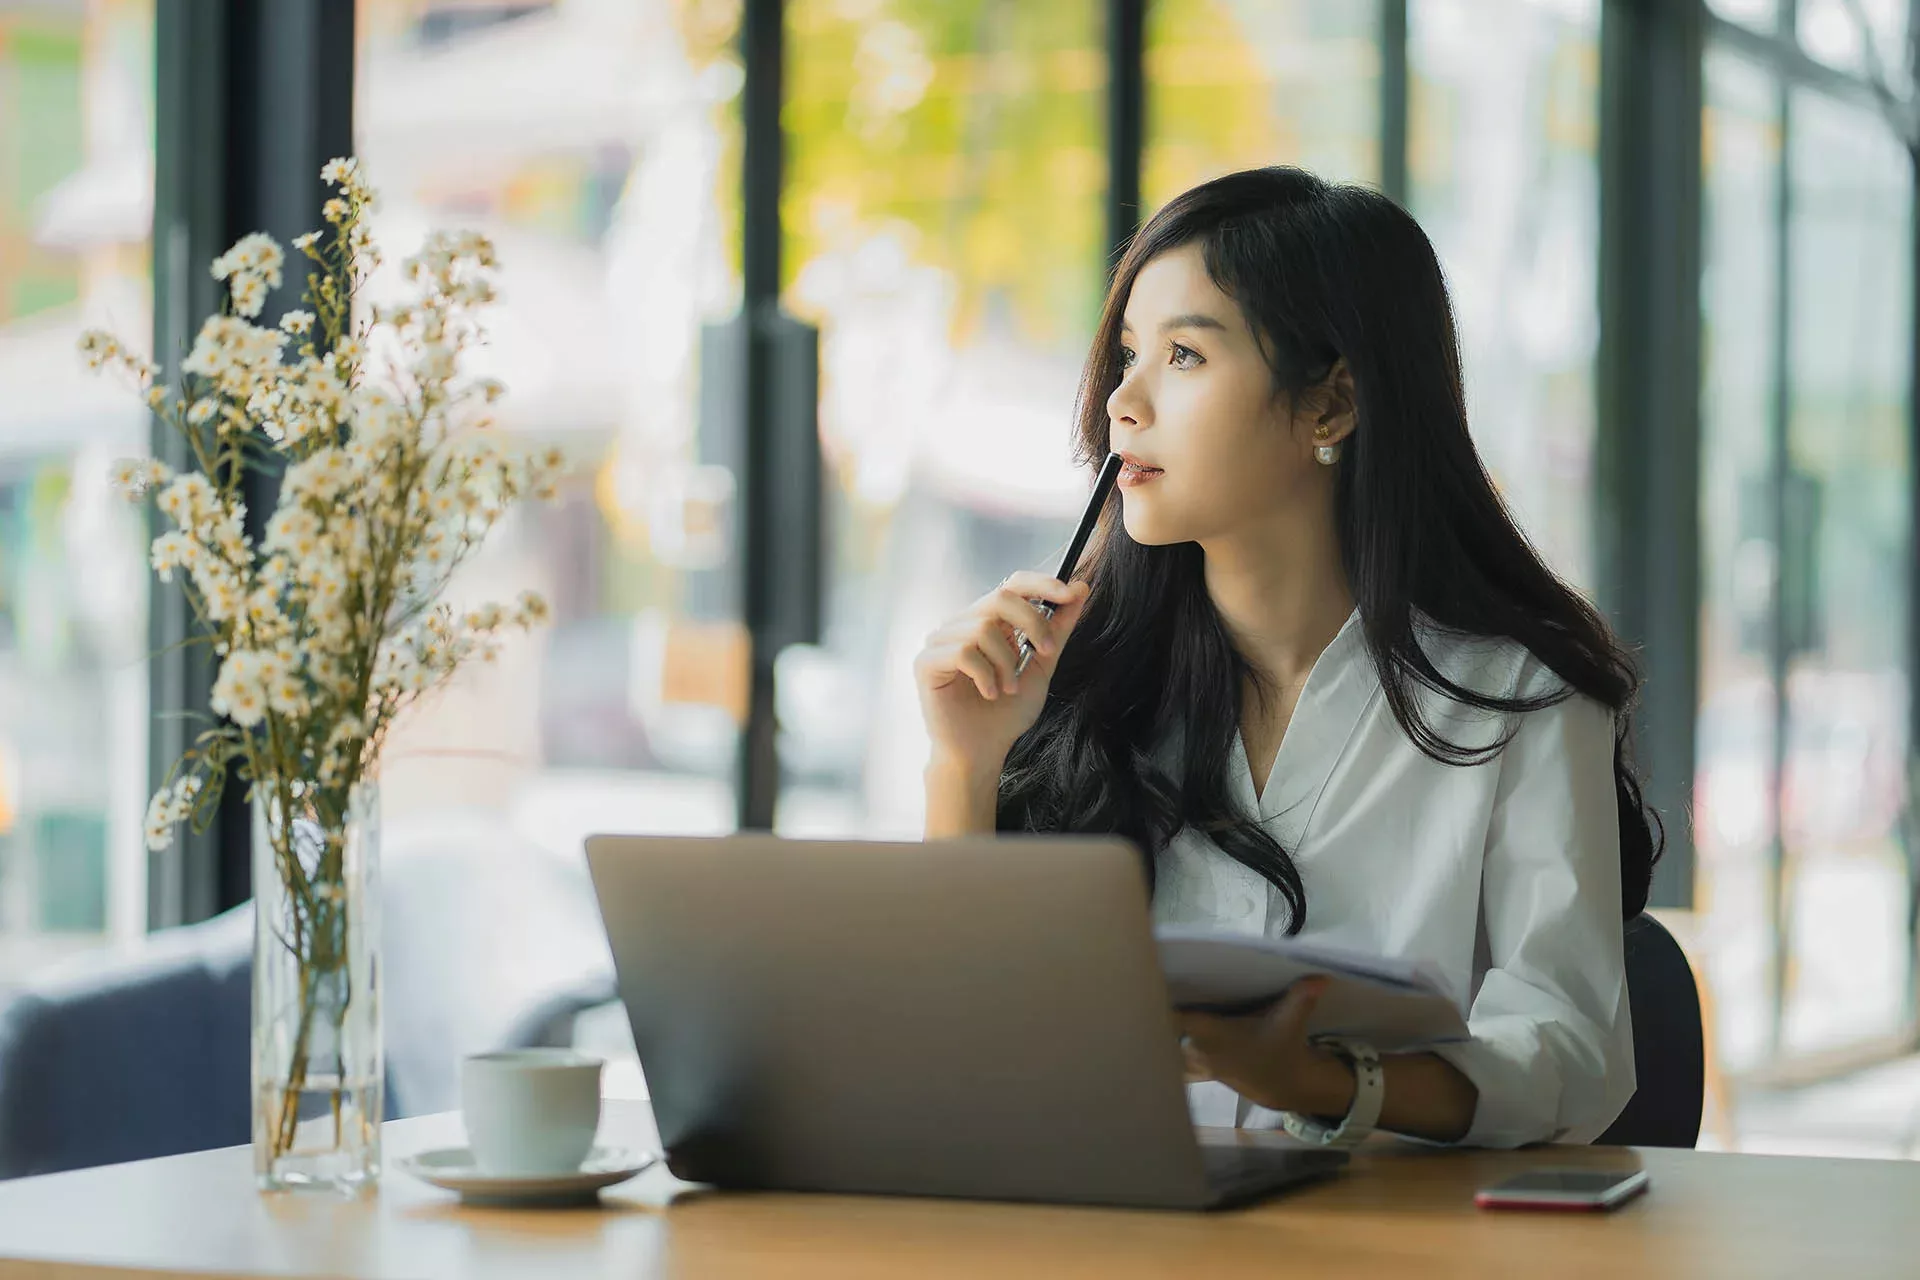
<point x="1492" y="1198"/>
<point x="1486" y="1200"/>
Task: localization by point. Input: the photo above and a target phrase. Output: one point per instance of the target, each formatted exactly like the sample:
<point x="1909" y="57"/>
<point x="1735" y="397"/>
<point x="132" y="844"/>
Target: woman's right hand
<point x="973" y="704"/>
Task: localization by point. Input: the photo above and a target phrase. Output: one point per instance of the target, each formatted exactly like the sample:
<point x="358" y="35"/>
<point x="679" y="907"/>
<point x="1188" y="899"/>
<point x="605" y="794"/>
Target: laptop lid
<point x="977" y="1018"/>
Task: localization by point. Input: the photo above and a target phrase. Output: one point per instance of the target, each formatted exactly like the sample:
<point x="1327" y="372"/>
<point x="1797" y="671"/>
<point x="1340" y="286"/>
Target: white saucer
<point x="454" y="1169"/>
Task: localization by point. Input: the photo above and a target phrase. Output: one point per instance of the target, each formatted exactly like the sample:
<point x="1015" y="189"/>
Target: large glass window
<point x="1504" y="176"/>
<point x="1848" y="529"/>
<point x="76" y="184"/>
<point x="1733" y="817"/>
<point x="1234" y="84"/>
<point x="597" y="145"/>
<point x="1863" y="37"/>
<point x="1806" y="521"/>
<point x="1762" y="15"/>
<point x="944" y="229"/>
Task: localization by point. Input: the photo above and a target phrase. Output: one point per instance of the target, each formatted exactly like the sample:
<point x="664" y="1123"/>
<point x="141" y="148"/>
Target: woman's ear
<point x="1335" y="406"/>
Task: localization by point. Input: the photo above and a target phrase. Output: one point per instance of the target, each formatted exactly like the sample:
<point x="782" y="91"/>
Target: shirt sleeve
<point x="1552" y="1038"/>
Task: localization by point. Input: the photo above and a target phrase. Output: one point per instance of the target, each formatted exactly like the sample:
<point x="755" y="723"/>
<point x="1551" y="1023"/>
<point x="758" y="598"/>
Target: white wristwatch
<point x="1369" y="1089"/>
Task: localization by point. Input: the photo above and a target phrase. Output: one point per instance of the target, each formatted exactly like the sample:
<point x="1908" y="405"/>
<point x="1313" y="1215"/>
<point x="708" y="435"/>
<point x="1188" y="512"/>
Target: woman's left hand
<point x="1266" y="1057"/>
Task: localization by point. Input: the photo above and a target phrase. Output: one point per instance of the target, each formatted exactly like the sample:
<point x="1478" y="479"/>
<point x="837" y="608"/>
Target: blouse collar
<point x="1340" y="685"/>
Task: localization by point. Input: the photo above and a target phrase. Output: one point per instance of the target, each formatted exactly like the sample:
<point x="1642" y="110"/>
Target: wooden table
<point x="1399" y="1210"/>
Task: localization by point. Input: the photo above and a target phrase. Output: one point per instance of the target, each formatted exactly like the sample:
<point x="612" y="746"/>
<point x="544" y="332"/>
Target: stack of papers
<point x="1394" y="1005"/>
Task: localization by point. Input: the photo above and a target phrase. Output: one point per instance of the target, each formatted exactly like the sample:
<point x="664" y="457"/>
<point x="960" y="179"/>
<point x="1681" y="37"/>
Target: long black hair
<point x="1322" y="273"/>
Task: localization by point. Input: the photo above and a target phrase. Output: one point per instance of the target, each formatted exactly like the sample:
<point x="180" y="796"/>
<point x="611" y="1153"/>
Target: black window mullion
<point x="1779" y="478"/>
<point x="762" y="50"/>
<point x="1126" y="121"/>
<point x="190" y="134"/>
<point x="251" y="98"/>
<point x="1910" y="831"/>
<point x="1647" y="446"/>
<point x="1395" y="99"/>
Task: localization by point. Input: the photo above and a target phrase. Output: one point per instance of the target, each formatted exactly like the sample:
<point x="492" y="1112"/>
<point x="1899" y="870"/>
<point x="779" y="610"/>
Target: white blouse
<point x="1506" y="875"/>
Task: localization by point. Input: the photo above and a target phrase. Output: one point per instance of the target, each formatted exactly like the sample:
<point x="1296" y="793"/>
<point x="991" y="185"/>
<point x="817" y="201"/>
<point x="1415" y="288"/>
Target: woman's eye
<point x="1126" y="357"/>
<point x="1184" y="357"/>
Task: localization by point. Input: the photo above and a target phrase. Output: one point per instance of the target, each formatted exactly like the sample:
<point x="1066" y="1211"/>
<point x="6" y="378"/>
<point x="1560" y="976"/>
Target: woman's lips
<point x="1134" y="474"/>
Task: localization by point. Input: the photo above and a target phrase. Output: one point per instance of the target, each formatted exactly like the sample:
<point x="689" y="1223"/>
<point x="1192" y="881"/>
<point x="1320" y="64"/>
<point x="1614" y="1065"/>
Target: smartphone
<point x="1589" y="1189"/>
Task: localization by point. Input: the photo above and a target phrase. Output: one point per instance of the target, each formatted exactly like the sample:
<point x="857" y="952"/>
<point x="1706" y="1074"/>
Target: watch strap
<point x="1369" y="1091"/>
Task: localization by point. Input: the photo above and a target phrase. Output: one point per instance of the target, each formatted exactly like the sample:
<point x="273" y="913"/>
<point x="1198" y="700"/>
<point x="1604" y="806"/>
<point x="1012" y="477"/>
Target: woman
<point x="1320" y="678"/>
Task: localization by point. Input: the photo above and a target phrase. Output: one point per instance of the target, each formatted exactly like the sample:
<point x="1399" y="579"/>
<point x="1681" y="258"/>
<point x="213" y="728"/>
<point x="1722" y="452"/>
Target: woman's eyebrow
<point x="1191" y="320"/>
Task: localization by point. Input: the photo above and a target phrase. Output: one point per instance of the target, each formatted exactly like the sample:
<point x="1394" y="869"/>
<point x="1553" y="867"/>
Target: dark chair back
<point x="125" y="1056"/>
<point x="1669" y="1053"/>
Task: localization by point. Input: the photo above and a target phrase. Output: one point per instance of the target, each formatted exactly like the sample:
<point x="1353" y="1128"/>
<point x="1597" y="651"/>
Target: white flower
<point x="532" y="609"/>
<point x="250" y="268"/>
<point x="136" y="477"/>
<point x="297" y="323"/>
<point x="286" y="696"/>
<point x="219" y="594"/>
<point x="484" y="618"/>
<point x="226" y="532"/>
<point x="100" y="349"/>
<point x="306" y="240"/>
<point x="172" y="551"/>
<point x="340" y="171"/>
<point x="294" y="530"/>
<point x="257" y="254"/>
<point x="237" y="690"/>
<point x="263" y="612"/>
<point x="477" y="292"/>
<point x="170" y="805"/>
<point x="234" y="354"/>
<point x="97" y="347"/>
<point x="267" y="401"/>
<point x="435" y="363"/>
<point x="159" y="826"/>
<point x="247" y="708"/>
<point x="474" y="247"/>
<point x="437" y="549"/>
<point x="274" y="664"/>
<point x="320" y="478"/>
<point x="188" y="498"/>
<point x="379" y="420"/>
<point x="249" y="294"/>
<point x="325" y="582"/>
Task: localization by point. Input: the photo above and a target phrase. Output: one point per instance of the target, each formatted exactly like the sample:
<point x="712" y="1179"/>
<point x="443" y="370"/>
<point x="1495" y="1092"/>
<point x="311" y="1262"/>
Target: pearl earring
<point x="1325" y="454"/>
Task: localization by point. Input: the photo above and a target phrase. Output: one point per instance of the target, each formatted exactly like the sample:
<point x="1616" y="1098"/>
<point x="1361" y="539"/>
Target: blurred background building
<point x="945" y="222"/>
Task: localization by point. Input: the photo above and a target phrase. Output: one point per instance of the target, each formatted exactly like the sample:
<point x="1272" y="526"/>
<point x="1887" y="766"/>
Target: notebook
<point x="1394" y="1005"/>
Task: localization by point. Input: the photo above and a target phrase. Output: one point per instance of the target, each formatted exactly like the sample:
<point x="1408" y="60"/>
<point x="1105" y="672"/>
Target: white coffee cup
<point x="530" y="1111"/>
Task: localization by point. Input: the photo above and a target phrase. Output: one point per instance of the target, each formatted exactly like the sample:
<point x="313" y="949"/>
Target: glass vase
<point x="319" y="1062"/>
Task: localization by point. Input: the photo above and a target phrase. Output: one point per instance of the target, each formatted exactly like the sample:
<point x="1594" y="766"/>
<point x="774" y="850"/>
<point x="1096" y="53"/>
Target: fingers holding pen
<point x="1013" y="603"/>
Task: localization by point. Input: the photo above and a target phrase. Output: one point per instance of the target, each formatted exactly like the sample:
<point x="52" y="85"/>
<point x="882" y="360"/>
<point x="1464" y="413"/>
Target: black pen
<point x="1102" y="487"/>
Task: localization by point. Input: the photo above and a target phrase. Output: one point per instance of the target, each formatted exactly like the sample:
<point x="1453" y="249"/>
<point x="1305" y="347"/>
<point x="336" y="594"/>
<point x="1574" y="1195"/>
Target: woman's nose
<point x="1126" y="404"/>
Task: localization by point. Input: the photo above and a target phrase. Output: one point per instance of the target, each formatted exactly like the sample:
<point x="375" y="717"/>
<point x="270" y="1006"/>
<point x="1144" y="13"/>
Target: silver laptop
<point x="980" y="1018"/>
